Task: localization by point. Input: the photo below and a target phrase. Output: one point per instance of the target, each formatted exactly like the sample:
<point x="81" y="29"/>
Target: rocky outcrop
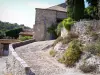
<point x="83" y="28"/>
<point x="88" y="33"/>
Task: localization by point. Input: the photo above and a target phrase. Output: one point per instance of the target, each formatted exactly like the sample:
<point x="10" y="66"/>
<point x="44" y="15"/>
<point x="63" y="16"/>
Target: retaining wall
<point x="83" y="27"/>
<point x="15" y="65"/>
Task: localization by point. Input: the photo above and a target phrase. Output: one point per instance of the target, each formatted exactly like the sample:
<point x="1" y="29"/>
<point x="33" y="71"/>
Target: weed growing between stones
<point x="66" y="39"/>
<point x="87" y="68"/>
<point x="52" y="53"/>
<point x="93" y="48"/>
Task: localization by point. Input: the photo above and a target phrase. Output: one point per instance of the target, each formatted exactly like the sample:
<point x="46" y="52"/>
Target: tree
<point x="2" y="35"/>
<point x="99" y="8"/>
<point x="78" y="9"/>
<point x="93" y="8"/>
<point x="70" y="4"/>
<point x="92" y="2"/>
<point x="75" y="9"/>
<point x="14" y="33"/>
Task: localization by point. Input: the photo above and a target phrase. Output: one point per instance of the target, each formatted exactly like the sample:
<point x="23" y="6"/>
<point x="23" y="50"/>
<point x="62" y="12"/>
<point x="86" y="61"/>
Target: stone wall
<point x="15" y="65"/>
<point x="1" y="49"/>
<point x="81" y="28"/>
<point x="44" y="19"/>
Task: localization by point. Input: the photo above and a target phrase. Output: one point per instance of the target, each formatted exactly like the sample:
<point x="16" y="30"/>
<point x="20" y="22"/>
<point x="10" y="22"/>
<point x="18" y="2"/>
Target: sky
<point x="23" y="11"/>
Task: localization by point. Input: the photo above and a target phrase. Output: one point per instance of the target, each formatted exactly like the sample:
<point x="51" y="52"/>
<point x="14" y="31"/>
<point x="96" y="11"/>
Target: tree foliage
<point x="92" y="10"/>
<point x="14" y="33"/>
<point x="2" y="34"/>
<point x="78" y="9"/>
<point x="70" y="4"/>
<point x="92" y="2"/>
<point x="10" y="29"/>
<point x="4" y="26"/>
<point x="75" y="9"/>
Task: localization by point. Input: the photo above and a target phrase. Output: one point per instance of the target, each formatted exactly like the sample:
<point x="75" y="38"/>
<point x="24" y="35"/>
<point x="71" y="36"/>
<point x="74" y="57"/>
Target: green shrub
<point x="52" y="53"/>
<point x="87" y="68"/>
<point x="93" y="48"/>
<point x="72" y="54"/>
<point x="23" y="38"/>
<point x="67" y="23"/>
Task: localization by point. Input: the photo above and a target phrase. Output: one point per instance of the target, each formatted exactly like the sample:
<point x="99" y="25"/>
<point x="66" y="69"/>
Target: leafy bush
<point x="67" y="23"/>
<point x="52" y="53"/>
<point x="23" y="38"/>
<point x="72" y="54"/>
<point x="87" y="68"/>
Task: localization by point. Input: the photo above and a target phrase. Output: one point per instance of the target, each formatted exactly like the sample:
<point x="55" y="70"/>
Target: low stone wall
<point x="15" y="65"/>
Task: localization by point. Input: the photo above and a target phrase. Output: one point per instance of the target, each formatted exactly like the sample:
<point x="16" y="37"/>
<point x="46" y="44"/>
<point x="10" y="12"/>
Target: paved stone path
<point x="2" y="65"/>
<point x="37" y="57"/>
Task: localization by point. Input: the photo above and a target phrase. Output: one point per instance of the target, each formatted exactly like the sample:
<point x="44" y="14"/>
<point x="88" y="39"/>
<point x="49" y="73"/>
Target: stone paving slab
<point x="3" y="65"/>
<point x="37" y="57"/>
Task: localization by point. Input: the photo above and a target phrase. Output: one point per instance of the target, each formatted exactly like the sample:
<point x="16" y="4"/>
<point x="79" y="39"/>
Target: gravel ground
<point x="2" y="65"/>
<point x="37" y="57"/>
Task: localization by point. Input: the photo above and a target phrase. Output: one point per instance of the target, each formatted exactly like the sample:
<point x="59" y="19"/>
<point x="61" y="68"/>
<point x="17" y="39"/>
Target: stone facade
<point x="44" y="19"/>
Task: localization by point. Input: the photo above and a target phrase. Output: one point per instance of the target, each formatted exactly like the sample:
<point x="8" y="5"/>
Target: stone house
<point x="26" y="32"/>
<point x="45" y="18"/>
